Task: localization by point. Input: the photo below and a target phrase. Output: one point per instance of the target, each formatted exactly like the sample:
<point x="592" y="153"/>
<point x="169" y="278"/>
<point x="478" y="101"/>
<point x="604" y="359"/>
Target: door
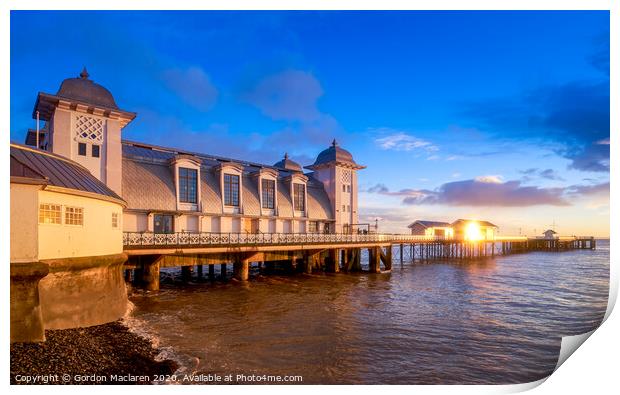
<point x="163" y="223"/>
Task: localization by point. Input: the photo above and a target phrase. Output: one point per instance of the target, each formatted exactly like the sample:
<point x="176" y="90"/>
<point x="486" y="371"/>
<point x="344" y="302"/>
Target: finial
<point x="84" y="74"/>
<point x="286" y="155"/>
<point x="334" y="143"/>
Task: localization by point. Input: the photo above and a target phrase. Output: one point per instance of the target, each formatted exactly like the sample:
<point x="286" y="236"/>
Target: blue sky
<point x="496" y="115"/>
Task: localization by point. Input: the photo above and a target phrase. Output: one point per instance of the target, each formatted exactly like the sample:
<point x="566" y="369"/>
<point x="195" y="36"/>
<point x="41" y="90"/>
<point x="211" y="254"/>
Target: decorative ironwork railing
<point x="188" y="239"/>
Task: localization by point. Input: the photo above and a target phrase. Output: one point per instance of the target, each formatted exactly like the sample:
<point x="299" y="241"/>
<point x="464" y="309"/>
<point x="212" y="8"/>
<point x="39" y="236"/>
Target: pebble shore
<point x="102" y="354"/>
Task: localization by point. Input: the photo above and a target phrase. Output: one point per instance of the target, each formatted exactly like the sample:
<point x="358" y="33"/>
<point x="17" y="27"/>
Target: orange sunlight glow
<point x="472" y="232"/>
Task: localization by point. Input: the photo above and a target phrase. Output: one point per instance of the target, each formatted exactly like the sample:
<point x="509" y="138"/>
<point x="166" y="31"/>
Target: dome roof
<point x="85" y="90"/>
<point x="288" y="164"/>
<point x="335" y="154"/>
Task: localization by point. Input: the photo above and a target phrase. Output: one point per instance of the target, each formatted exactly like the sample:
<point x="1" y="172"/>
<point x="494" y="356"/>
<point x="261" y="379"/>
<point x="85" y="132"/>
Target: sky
<point x="501" y="116"/>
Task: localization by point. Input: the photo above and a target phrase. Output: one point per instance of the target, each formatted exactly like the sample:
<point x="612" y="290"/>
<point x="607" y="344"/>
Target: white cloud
<point x="400" y="141"/>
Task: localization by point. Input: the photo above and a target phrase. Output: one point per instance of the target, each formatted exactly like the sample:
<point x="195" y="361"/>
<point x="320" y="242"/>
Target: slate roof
<point x="56" y="170"/>
<point x="148" y="183"/>
<point x="431" y="224"/>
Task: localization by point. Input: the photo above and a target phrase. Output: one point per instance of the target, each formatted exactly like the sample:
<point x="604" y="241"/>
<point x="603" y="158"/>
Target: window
<point x="268" y="192"/>
<point x="349" y="188"/>
<point x="188" y="185"/>
<point x="298" y="197"/>
<point x="74" y="216"/>
<point x="163" y="223"/>
<point x="344" y="208"/>
<point x="96" y="149"/>
<point x="231" y="190"/>
<point x="344" y="188"/>
<point x="313" y="227"/>
<point x="115" y="220"/>
<point x="82" y="149"/>
<point x="50" y="213"/>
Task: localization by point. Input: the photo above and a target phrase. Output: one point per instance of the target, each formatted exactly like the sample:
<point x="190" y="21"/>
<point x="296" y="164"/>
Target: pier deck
<point x="148" y="252"/>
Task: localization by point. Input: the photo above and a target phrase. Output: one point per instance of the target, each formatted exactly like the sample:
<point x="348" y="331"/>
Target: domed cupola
<point x="287" y="164"/>
<point x="336" y="155"/>
<point x="84" y="90"/>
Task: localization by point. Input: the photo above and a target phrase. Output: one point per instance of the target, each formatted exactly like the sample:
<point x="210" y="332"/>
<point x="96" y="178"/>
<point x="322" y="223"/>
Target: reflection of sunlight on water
<point x="488" y="321"/>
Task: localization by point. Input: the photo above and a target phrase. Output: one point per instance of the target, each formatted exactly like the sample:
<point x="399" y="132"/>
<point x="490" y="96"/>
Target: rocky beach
<point x="102" y="354"/>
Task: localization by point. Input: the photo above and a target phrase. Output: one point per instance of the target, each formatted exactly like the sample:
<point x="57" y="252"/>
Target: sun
<point x="472" y="232"/>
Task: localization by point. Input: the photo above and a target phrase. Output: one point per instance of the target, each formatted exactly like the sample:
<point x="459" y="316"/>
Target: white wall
<point x="95" y="237"/>
<point x="24" y="222"/>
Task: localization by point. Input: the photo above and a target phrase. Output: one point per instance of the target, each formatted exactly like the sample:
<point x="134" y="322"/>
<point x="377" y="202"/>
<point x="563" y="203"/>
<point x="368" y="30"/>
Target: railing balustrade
<point x="190" y="239"/>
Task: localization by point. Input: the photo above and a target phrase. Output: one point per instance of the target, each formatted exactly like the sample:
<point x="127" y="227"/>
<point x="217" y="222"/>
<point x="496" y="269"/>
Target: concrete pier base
<point x="242" y="269"/>
<point x="150" y="276"/>
<point x="26" y="318"/>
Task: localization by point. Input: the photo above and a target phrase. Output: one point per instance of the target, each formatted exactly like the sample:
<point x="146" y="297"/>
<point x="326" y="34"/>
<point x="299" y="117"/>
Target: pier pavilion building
<point x="172" y="190"/>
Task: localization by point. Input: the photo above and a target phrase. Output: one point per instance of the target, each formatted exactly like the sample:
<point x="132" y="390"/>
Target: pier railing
<point x="189" y="239"/>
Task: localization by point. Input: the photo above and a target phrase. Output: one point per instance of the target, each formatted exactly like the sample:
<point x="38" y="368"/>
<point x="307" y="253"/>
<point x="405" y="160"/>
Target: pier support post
<point x="199" y="271"/>
<point x="333" y="264"/>
<point x="223" y="271"/>
<point x="242" y="269"/>
<point x="211" y="272"/>
<point x="150" y="275"/>
<point x="186" y="273"/>
<point x="388" y="258"/>
<point x="374" y="260"/>
<point x="128" y="275"/>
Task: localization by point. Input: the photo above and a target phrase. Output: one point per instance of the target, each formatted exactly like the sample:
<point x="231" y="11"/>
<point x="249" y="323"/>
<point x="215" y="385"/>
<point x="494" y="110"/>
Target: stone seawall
<point x="66" y="293"/>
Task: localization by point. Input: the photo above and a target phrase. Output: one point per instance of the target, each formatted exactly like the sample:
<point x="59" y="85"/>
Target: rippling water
<point x="495" y="321"/>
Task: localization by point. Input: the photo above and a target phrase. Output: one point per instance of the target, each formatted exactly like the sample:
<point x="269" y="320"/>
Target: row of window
<point x="53" y="214"/>
<point x="346" y="208"/>
<point x="188" y="190"/>
<point x="95" y="150"/>
<point x="346" y="188"/>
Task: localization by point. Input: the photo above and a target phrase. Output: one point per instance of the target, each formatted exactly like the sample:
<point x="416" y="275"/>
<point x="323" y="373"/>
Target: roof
<point x="335" y="154"/>
<point x="80" y="91"/>
<point x="148" y="183"/>
<point x="56" y="170"/>
<point x="481" y="223"/>
<point x="431" y="224"/>
<point x="550" y="230"/>
<point x="288" y="164"/>
<point x="85" y="90"/>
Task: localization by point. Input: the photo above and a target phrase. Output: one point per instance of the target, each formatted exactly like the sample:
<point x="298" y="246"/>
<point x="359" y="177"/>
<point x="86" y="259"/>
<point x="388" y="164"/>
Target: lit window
<point x="298" y="197"/>
<point x="96" y="150"/>
<point x="188" y="185"/>
<point x="231" y="190"/>
<point x="74" y="216"/>
<point x="82" y="149"/>
<point x="268" y="192"/>
<point x="50" y="214"/>
<point x="115" y="220"/>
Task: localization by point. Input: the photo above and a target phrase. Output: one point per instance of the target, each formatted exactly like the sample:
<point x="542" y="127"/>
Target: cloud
<point x="289" y="95"/>
<point x="400" y="141"/>
<point x="482" y="191"/>
<point x="193" y="86"/>
<point x="571" y="118"/>
<point x="548" y="174"/>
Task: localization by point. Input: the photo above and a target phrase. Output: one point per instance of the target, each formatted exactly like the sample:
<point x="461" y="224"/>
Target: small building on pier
<point x="467" y="229"/>
<point x="550" y="234"/>
<point x="432" y="228"/>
